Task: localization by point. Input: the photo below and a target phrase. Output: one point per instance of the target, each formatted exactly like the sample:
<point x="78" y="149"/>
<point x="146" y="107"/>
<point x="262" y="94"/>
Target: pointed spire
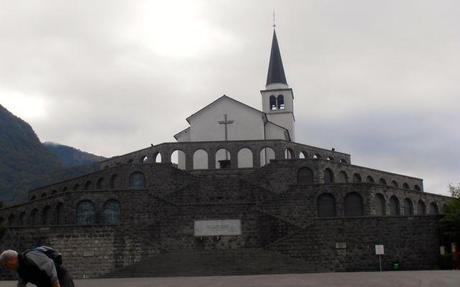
<point x="275" y="67"/>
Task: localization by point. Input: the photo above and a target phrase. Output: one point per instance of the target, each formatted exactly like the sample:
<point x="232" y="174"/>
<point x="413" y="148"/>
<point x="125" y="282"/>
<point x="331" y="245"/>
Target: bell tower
<point x="277" y="97"/>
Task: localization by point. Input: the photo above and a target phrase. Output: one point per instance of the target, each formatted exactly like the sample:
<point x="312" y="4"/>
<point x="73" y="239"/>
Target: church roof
<point x="275" y="67"/>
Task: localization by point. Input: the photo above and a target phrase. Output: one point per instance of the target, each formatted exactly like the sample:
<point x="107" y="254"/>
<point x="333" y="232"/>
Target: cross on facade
<point x="226" y="122"/>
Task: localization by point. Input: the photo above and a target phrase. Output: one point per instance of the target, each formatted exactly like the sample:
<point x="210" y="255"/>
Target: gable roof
<point x="224" y="97"/>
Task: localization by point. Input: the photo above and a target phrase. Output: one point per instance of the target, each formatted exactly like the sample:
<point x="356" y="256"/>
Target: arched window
<point x="326" y="205"/>
<point x="357" y="178"/>
<point x="370" y="179"/>
<point x="111" y="212"/>
<point x="417" y="187"/>
<point x="394" y="206"/>
<point x="353" y="204"/>
<point x="157" y="157"/>
<point x="394" y="183"/>
<point x="280" y="102"/>
<point x="54" y="191"/>
<point x="144" y="159"/>
<point x="330" y="158"/>
<point x="343" y="177"/>
<point x="22" y="218"/>
<point x="100" y="183"/>
<point x="380" y="205"/>
<point x="43" y="195"/>
<point x="343" y="161"/>
<point x="88" y="185"/>
<point x="11" y="220"/>
<point x="305" y="176"/>
<point x="59" y="213"/>
<point x="114" y="182"/>
<point x="266" y="155"/>
<point x="200" y="159"/>
<point x="405" y="185"/>
<point x="433" y="210"/>
<point x="383" y="181"/>
<point x="223" y="159"/>
<point x="302" y="155"/>
<point x="328" y="176"/>
<point x="316" y="156"/>
<point x="245" y="158"/>
<point x="272" y="103"/>
<point x="86" y="213"/>
<point x="408" y="207"/>
<point x="33" y="217"/>
<point x="421" y="207"/>
<point x="137" y="180"/>
<point x="76" y="186"/>
<point x="46" y="215"/>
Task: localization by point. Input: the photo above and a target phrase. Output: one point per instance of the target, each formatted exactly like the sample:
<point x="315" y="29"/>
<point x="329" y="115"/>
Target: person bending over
<point x="41" y="266"/>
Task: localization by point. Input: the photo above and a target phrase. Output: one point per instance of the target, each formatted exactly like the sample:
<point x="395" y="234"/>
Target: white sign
<point x="379" y="250"/>
<point x="217" y="227"/>
<point x="442" y="250"/>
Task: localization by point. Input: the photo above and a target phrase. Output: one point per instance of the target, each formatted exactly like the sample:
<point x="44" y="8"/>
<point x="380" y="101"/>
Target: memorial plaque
<point x="379" y="250"/>
<point x="217" y="227"/>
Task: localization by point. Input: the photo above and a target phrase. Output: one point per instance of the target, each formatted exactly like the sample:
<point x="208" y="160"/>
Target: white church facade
<point x="229" y="119"/>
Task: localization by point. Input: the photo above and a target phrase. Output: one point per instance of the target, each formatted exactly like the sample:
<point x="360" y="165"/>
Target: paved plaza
<point x="356" y="279"/>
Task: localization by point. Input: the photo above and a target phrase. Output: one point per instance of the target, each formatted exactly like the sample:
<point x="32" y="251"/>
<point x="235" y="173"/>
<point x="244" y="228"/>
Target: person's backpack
<point x="52" y="254"/>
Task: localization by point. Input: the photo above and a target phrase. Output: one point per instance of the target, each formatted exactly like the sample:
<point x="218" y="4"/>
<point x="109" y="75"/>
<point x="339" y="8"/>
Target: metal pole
<point x="380" y="262"/>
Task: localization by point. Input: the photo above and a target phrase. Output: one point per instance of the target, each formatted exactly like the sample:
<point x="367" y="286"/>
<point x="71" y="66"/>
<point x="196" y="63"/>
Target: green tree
<point x="451" y="220"/>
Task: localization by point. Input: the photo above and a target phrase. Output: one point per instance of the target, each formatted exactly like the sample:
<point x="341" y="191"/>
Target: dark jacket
<point x="36" y="268"/>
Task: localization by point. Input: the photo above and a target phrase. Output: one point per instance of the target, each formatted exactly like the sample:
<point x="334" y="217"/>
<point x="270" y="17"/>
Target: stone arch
<point x="137" y="180"/>
<point x="86" y="212"/>
<point x="87" y="185"/>
<point x="330" y="158"/>
<point x="417" y="187"/>
<point x="433" y="209"/>
<point x="200" y="159"/>
<point x="33" y="197"/>
<point x="421" y="207"/>
<point x="370" y="179"/>
<point x="178" y="158"/>
<point x="21" y="219"/>
<point x="325" y="204"/>
<point x="266" y="155"/>
<point x="76" y="187"/>
<point x="54" y="191"/>
<point x="112" y="212"/>
<point x="328" y="176"/>
<point x="380" y="205"/>
<point x="33" y="217"/>
<point x="157" y="157"/>
<point x="382" y="181"/>
<point x="394" y="206"/>
<point x="316" y="156"/>
<point x="405" y="185"/>
<point x="144" y="159"/>
<point x="280" y="102"/>
<point x="288" y="153"/>
<point x="64" y="189"/>
<point x="272" y="103"/>
<point x="46" y="215"/>
<point x="11" y="220"/>
<point x="394" y="183"/>
<point x="245" y="158"/>
<point x="343" y="177"/>
<point x="304" y="176"/>
<point x="100" y="183"/>
<point x="353" y="204"/>
<point x="302" y="155"/>
<point x="408" y="207"/>
<point x="114" y="181"/>
<point x="59" y="219"/>
<point x="344" y="161"/>
<point x="43" y="195"/>
<point x="223" y="158"/>
<point x="357" y="178"/>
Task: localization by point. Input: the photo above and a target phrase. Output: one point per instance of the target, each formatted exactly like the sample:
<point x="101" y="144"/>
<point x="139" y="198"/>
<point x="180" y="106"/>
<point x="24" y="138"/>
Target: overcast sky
<point x="377" y="79"/>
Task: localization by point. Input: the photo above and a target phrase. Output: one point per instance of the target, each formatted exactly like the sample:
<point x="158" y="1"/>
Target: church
<point x="234" y="194"/>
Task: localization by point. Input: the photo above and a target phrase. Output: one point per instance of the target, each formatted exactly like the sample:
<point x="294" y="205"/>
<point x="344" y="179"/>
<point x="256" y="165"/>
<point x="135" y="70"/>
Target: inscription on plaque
<point x="217" y="227"/>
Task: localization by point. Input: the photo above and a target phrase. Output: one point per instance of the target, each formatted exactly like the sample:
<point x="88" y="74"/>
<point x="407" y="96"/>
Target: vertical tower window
<point x="280" y="101"/>
<point x="272" y="103"/>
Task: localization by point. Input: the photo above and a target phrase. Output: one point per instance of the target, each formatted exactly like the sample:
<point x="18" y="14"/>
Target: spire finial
<point x="274" y="19"/>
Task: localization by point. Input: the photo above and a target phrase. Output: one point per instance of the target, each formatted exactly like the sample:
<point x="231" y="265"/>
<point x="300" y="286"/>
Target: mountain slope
<point x="26" y="163"/>
<point x="71" y="157"/>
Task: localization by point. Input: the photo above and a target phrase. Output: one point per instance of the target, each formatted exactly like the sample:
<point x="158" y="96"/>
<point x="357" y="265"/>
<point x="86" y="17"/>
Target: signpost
<point x="379" y="250"/>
